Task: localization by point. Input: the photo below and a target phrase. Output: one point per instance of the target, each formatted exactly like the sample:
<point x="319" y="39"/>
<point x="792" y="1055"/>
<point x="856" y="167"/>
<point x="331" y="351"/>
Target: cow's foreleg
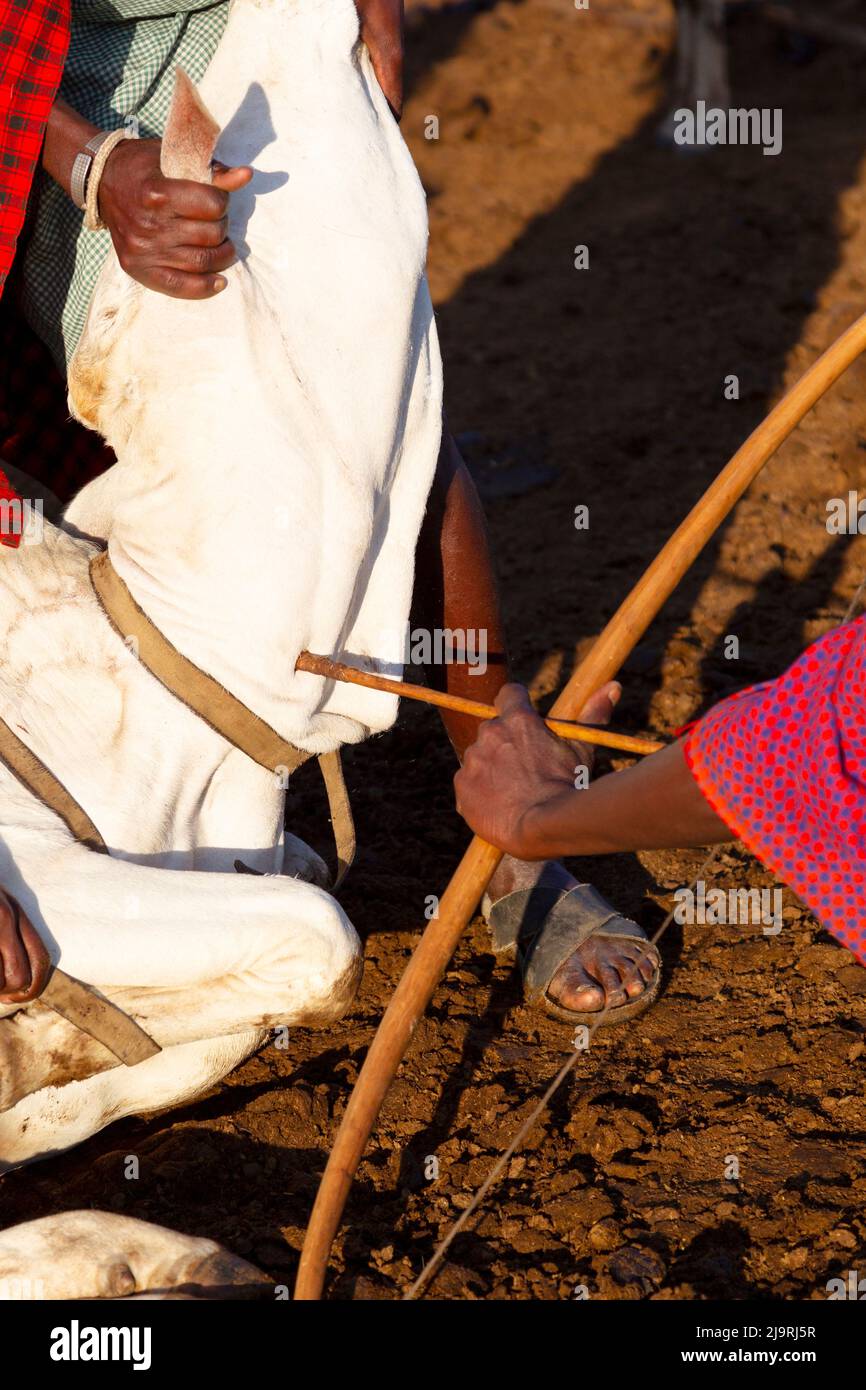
<point x="207" y="963"/>
<point x="57" y="1117"/>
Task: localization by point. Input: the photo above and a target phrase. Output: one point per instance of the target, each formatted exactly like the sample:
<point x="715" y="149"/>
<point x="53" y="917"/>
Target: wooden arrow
<point x="565" y="728"/>
<point x="439" y="941"/>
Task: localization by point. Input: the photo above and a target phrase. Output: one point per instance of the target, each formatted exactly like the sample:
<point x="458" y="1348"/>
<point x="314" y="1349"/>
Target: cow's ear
<point x="190" y="135"/>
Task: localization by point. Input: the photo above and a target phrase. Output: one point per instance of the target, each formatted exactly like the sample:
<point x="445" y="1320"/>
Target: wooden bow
<point x="439" y="941"/>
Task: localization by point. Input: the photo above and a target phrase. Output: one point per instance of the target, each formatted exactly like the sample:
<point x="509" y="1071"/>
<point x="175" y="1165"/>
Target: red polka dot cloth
<point x="784" y="765"/>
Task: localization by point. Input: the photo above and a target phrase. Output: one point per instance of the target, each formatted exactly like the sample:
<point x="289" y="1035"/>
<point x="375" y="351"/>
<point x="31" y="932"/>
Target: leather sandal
<point x="541" y="927"/>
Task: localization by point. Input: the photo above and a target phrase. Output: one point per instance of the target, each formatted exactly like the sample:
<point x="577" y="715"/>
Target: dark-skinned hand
<point x="171" y="235"/>
<point x="24" y="962"/>
<point x="516" y="765"/>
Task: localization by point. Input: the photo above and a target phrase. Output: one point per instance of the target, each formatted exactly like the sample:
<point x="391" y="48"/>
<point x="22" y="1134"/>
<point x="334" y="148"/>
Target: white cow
<point x="275" y="448"/>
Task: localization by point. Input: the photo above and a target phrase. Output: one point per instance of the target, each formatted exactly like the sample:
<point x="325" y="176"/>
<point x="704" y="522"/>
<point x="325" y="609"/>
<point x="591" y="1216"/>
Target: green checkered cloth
<point x="120" y="70"/>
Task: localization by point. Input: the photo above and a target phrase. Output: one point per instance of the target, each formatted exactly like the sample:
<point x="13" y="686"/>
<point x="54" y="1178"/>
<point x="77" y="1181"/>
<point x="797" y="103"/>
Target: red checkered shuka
<point x="36" y="433"/>
<point x="34" y="39"/>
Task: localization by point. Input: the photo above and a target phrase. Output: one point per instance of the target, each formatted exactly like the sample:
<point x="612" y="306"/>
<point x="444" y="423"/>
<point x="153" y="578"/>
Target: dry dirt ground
<point x="601" y="387"/>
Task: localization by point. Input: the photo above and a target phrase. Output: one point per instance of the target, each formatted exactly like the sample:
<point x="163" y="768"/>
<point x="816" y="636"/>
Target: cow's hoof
<point x="302" y="862"/>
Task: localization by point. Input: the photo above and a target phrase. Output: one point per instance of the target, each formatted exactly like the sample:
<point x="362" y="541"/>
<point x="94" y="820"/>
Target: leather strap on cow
<point x="39" y="780"/>
<point x="221" y="710"/>
<point x="76" y="1001"/>
<point x="97" y="1016"/>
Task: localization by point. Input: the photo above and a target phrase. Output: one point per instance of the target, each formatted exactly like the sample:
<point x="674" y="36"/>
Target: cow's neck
<point x="202" y="514"/>
<point x="211" y="578"/>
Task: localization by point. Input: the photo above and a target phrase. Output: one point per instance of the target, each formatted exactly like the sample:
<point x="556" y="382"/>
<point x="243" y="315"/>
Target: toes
<point x="647" y="968"/>
<point x="610" y="974"/>
<point x="586" y="1000"/>
<point x="572" y="987"/>
<point x="586" y="986"/>
<point x="633" y="981"/>
<point x="597" y="977"/>
<point x="636" y="969"/>
<point x="638" y="966"/>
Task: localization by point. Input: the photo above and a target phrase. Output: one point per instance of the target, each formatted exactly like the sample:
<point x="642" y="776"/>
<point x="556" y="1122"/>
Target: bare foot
<point x="602" y="973"/>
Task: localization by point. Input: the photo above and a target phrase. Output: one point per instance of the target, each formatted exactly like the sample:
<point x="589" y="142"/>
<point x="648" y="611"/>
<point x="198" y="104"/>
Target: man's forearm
<point x="654" y="805"/>
<point x="455" y="591"/>
<point x="66" y="135"/>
